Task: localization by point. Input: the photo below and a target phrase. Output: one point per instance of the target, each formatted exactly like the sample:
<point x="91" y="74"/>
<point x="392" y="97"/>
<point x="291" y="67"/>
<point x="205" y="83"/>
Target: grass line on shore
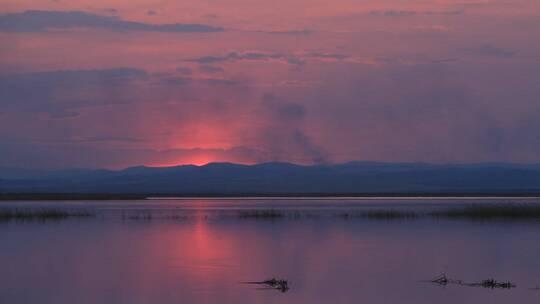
<point x="472" y="212"/>
<point x="491" y="212"/>
<point x="262" y="195"/>
<point x="475" y="212"/>
<point x="42" y="214"/>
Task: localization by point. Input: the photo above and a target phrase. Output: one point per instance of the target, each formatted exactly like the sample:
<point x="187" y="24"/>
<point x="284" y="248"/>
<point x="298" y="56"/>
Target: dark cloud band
<point x="34" y="20"/>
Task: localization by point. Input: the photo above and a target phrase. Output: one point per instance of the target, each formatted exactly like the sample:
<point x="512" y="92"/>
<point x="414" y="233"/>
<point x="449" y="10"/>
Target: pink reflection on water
<point x="202" y="260"/>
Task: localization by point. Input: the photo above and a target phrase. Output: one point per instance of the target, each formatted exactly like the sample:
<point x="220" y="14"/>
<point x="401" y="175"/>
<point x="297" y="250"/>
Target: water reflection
<point x="325" y="260"/>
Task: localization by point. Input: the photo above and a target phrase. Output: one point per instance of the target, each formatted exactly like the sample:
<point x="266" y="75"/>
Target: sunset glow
<point x="123" y="83"/>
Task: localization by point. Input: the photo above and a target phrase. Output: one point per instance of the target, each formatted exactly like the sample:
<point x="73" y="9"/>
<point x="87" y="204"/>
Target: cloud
<point x="282" y="136"/>
<point x="169" y="80"/>
<point x="489" y="50"/>
<point x="59" y="92"/>
<point x="325" y="56"/>
<point x="283" y="111"/>
<point x="110" y="11"/>
<point x="408" y="13"/>
<point x="298" y="83"/>
<point x="314" y="153"/>
<point x="393" y="13"/>
<point x="151" y="13"/>
<point x="431" y="28"/>
<point x="444" y="13"/>
<point x="184" y="70"/>
<point x="210" y="16"/>
<point x="75" y="155"/>
<point x="175" y="81"/>
<point x="211" y="69"/>
<point x="296" y="59"/>
<point x="62" y="113"/>
<point x="95" y="139"/>
<point x="487" y="3"/>
<point x="217" y="82"/>
<point x="35" y="20"/>
<point x="429" y="112"/>
<point x="90" y="139"/>
<point x="248" y="56"/>
<point x="304" y="32"/>
<point x="62" y="94"/>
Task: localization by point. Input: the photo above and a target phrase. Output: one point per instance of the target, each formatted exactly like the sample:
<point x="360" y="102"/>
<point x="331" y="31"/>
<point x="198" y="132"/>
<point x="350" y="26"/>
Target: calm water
<point x="203" y="252"/>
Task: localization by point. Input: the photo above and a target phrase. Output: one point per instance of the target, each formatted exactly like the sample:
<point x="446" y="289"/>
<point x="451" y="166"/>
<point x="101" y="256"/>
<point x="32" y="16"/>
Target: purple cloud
<point x="34" y="20"/>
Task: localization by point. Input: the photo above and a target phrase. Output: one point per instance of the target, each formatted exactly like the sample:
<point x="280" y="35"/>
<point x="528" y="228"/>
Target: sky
<point x="118" y="83"/>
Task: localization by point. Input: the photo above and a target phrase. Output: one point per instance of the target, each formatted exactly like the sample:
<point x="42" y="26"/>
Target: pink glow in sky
<point x="122" y="83"/>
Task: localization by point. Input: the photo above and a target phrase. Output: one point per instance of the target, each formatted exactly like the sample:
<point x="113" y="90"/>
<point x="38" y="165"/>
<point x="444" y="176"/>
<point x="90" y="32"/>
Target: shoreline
<point x="239" y="196"/>
<point x="349" y="198"/>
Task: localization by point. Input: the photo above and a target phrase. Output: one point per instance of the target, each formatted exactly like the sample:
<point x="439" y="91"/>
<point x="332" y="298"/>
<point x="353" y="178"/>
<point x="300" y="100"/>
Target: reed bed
<point x="509" y="212"/>
<point x="381" y="214"/>
<point x="491" y="212"/>
<point x="270" y="214"/>
<point x="42" y="214"/>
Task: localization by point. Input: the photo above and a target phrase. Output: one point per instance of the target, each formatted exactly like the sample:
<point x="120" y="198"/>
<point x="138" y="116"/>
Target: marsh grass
<point x="491" y="212"/>
<point x="472" y="212"/>
<point x="381" y="214"/>
<point x="269" y="214"/>
<point x="261" y="214"/>
<point x="148" y="215"/>
<point x="44" y="214"/>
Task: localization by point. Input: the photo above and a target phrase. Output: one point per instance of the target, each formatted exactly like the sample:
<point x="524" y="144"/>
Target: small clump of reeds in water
<point x="492" y="283"/>
<point x="41" y="214"/>
<point x="277" y="284"/>
<point x="443" y="280"/>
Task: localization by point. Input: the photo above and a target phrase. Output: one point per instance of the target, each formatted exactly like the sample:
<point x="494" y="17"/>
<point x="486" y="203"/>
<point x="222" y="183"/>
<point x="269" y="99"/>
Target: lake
<point x="203" y="250"/>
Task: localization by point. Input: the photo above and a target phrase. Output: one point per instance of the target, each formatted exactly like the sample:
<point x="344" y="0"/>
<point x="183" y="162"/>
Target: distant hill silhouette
<point x="282" y="178"/>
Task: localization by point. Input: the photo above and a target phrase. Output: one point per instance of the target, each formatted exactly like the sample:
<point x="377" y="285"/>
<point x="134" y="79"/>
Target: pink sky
<point x="101" y="84"/>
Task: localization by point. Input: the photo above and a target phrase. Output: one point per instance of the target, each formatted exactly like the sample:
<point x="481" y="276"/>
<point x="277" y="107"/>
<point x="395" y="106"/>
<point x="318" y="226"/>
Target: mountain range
<point x="354" y="178"/>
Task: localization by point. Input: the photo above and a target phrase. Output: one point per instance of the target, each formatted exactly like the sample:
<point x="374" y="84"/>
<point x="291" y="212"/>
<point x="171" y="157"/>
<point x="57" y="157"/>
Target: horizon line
<point x="492" y="163"/>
